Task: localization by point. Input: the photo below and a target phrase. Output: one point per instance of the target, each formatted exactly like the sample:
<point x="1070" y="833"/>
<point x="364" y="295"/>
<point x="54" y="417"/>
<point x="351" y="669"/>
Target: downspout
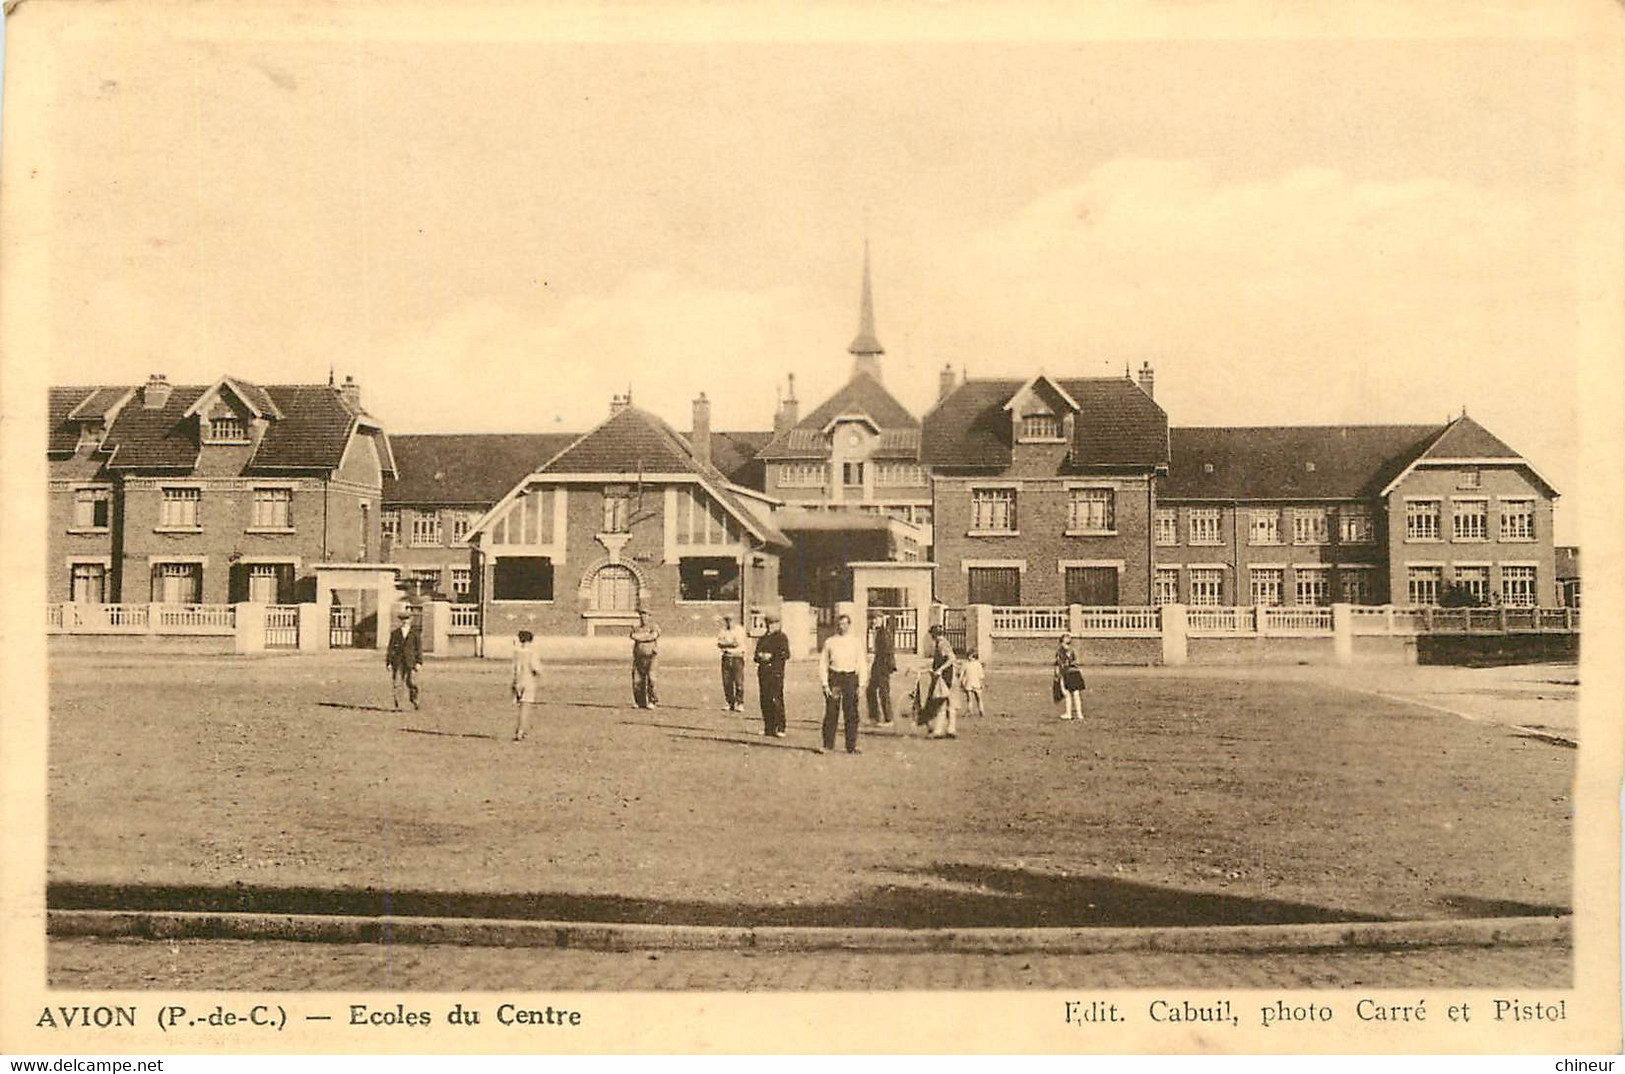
<point x="1150" y="539"/>
<point x="479" y="637"/>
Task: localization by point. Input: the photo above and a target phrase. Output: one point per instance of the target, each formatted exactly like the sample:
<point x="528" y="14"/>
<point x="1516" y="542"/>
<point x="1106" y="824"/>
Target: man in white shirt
<point x="841" y="671"/>
<point x="731" y="643"/>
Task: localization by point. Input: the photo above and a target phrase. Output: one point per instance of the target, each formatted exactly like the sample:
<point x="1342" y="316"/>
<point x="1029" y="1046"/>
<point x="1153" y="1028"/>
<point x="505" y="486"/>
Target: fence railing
<point x="1221" y="620"/>
<point x="1273" y="620"/>
<point x="465" y="619"/>
<point x="282" y="626"/>
<point x="904" y="624"/>
<point x="1010" y="621"/>
<point x="75" y="618"/>
<point x="1118" y="622"/>
<point x="196" y="618"/>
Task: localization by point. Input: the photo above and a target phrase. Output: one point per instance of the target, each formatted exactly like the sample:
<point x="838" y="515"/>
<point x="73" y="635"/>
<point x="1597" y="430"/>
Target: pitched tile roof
<point x="863" y="394"/>
<point x="311" y="432"/>
<point x="62" y="434"/>
<point x="1464" y="438"/>
<point x="1274" y="462"/>
<point x="1117" y="424"/>
<point x="149" y="439"/>
<point x="467" y="468"/>
<point x="635" y="441"/>
<point x="735" y="454"/>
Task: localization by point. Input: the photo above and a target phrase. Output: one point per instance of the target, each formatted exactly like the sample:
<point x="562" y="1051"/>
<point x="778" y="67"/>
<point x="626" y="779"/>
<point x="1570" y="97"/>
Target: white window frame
<point x="1160" y="594"/>
<point x="1198" y="577"/>
<point x="899" y="475"/>
<point x="212" y="435"/>
<point x="389" y="525"/>
<point x="1484" y="595"/>
<point x="258" y="519"/>
<point x="851" y="468"/>
<point x="1363" y="575"/>
<point x="91" y="495"/>
<point x="1255" y="575"/>
<point x="1356" y="524"/>
<point x="1319" y="578"/>
<point x="167" y="512"/>
<point x="1437" y="572"/>
<point x="461" y="523"/>
<point x="1008" y="494"/>
<point x="1456" y="517"/>
<point x="803" y="475"/>
<point x="1196" y="520"/>
<point x="1530" y="571"/>
<point x="1073" y="501"/>
<point x="462" y="583"/>
<point x="1165" y="526"/>
<point x="1470" y="477"/>
<point x="1505" y="512"/>
<point x="1271" y="533"/>
<point x="1319" y="526"/>
<point x="426" y="525"/>
<point x="1414" y="514"/>
<point x="1029" y="436"/>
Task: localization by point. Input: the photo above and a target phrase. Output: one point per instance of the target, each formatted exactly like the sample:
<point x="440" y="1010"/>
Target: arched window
<point x="614" y="589"/>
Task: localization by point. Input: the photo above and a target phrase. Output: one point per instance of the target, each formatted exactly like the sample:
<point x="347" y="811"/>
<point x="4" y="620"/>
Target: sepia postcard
<point x="916" y="527"/>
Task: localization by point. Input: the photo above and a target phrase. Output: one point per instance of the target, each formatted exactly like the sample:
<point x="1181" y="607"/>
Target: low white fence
<point x="282" y="626"/>
<point x="195" y="619"/>
<point x="1034" y="622"/>
<point x="465" y="619"/>
<point x="1218" y="620"/>
<point x="202" y="619"/>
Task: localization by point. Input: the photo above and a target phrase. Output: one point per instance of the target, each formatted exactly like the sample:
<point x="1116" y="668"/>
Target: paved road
<point x="276" y="966"/>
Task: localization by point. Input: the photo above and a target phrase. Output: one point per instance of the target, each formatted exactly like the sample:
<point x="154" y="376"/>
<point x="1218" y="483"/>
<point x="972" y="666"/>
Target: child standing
<point x="974" y="681"/>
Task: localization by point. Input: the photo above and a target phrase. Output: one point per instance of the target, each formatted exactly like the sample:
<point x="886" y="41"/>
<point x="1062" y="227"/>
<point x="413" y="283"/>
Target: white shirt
<point x="527" y="673"/>
<point x="973" y="675"/>
<point x="731" y="640"/>
<point x="845" y="653"/>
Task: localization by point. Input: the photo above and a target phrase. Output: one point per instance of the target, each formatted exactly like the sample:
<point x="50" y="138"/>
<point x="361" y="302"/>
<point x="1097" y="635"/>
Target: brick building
<point x="859" y="450"/>
<point x="209" y="494"/>
<point x="1044" y="490"/>
<point x="1309" y="515"/>
<point x="447" y="481"/>
<point x="631" y="515"/>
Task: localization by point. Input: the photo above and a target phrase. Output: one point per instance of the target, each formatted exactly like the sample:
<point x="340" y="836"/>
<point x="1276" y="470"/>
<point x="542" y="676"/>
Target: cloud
<point x="1309" y="295"/>
<point x="666" y="337"/>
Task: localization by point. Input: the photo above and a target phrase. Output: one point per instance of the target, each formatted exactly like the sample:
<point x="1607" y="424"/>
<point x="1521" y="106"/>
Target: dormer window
<point x="1040" y="427"/>
<point x="90" y="436"/>
<point x="227" y="429"/>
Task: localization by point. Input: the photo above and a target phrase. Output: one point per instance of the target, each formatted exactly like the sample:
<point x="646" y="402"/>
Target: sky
<point x="496" y="235"/>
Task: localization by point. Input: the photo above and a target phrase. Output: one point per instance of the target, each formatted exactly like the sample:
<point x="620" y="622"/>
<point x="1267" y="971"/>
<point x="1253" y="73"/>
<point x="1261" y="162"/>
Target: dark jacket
<point x="404" y="652"/>
<point x="772" y="652"/>
<point x="885" y="658"/>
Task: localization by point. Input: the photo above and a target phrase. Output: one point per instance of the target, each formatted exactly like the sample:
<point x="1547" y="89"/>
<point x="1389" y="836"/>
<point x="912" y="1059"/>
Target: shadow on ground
<point x="981" y="897"/>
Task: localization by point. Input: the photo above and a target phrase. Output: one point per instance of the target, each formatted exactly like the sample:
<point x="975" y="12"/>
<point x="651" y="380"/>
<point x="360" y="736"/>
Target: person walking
<point x="942" y="684"/>
<point x="772" y="655"/>
<point x="840" y="671"/>
<point x="881" y="666"/>
<point x="731" y="643"/>
<point x="403" y="657"/>
<point x="527" y="683"/>
<point x="645" y="648"/>
<point x="1069" y="684"/>
<point x="973" y="677"/>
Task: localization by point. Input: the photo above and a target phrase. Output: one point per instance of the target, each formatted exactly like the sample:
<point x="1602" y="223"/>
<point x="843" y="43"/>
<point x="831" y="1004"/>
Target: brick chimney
<point x="699" y="437"/>
<point x="155" y="396"/>
<point x="1148" y="380"/>
<point x="618" y="403"/>
<point x="946" y="383"/>
<point x="792" y="405"/>
<point x="351" y="391"/>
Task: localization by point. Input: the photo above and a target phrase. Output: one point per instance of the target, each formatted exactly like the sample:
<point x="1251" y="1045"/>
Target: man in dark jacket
<point x="772" y="654"/>
<point x="881" y="667"/>
<point x="403" y="658"/>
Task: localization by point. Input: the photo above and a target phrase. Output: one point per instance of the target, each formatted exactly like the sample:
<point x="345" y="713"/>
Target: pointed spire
<point x="865" y="347"/>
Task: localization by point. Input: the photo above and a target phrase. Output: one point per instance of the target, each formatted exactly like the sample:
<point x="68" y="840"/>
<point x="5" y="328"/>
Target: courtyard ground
<point x="1213" y="798"/>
